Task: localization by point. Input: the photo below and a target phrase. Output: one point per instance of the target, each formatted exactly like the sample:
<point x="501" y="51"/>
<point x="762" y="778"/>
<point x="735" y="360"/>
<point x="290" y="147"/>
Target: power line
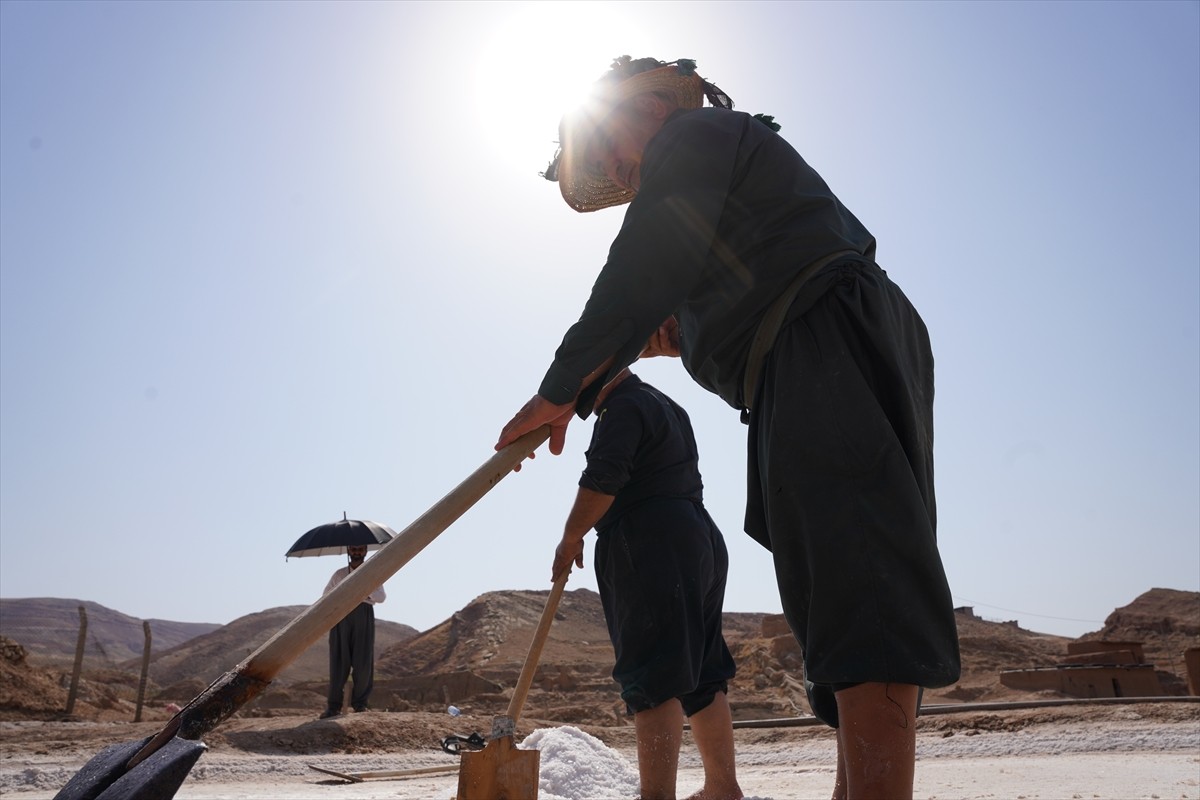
<point x="1025" y="613"/>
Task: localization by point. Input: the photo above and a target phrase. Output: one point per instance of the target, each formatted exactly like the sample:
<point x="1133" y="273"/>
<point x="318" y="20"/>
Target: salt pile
<point x="575" y="764"/>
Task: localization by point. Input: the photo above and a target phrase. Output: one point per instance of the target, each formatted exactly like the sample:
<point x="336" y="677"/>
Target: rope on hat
<point x="769" y="121"/>
<point x="716" y="96"/>
<point x="551" y="173"/>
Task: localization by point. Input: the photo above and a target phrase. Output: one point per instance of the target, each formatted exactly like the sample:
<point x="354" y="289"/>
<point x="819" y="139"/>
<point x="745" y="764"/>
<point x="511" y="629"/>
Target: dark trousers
<point x="661" y="569"/>
<point x="842" y="493"/>
<point x="352" y="651"/>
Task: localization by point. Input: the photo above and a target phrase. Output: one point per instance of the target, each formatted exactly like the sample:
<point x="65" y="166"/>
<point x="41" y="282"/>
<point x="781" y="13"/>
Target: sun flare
<point x="539" y="64"/>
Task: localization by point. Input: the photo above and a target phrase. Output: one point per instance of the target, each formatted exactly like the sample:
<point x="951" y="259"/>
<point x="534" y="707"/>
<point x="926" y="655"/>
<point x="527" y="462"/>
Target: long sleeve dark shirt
<point x="642" y="447"/>
<point x="727" y="214"/>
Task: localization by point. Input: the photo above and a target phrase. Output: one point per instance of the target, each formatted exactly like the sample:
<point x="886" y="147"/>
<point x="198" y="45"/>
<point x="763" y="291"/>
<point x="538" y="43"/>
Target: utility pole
<point x="79" y="645"/>
<point x="145" y="671"/>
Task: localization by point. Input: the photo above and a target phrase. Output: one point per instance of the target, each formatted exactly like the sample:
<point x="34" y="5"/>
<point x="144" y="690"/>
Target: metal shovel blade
<point x="105" y="777"/>
<point x="499" y="771"/>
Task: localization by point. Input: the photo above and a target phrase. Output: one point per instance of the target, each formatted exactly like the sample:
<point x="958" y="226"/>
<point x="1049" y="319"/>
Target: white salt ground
<point x="1120" y="760"/>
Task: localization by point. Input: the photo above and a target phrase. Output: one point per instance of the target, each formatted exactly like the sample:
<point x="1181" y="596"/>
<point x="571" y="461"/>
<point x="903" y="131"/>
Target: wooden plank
<point x="359" y="777"/>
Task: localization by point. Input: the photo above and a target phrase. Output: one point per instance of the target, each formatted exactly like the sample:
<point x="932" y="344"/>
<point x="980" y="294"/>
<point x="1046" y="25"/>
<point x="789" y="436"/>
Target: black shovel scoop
<point x="154" y="768"/>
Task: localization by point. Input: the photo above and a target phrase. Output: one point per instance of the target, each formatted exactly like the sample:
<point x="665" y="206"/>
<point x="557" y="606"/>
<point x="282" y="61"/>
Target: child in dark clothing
<point x="661" y="565"/>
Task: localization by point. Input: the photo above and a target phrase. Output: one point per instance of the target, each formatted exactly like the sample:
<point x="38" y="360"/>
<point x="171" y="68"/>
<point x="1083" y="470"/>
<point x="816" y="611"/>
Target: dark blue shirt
<point x="642" y="448"/>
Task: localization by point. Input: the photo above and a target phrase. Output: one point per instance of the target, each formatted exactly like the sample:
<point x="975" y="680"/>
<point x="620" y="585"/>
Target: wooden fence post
<point x="79" y="645"/>
<point x="145" y="671"/>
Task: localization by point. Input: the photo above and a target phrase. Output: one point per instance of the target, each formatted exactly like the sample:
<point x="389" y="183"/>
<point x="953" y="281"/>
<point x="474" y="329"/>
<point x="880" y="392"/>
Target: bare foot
<point x="706" y="794"/>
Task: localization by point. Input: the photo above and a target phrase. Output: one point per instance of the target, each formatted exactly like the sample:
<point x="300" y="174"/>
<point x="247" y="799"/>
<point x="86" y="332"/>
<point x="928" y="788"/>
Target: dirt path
<point x="1142" y="751"/>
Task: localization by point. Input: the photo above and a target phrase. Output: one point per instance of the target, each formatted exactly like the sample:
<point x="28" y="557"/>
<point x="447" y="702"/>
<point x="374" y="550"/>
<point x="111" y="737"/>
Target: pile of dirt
<point x="32" y="691"/>
<point x="371" y="732"/>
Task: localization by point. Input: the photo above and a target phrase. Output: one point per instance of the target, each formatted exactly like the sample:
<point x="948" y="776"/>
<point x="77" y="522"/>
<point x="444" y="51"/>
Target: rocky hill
<point x="473" y="659"/>
<point x="1166" y="620"/>
<point x="476" y="655"/>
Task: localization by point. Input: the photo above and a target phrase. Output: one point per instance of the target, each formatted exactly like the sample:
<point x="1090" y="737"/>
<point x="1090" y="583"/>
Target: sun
<point x="538" y="64"/>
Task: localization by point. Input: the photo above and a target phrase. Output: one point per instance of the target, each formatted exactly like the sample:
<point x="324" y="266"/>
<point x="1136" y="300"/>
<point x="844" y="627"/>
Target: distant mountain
<point x="48" y="629"/>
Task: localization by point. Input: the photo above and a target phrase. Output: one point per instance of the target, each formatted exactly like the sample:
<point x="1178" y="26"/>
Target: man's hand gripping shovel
<point x="154" y="768"/>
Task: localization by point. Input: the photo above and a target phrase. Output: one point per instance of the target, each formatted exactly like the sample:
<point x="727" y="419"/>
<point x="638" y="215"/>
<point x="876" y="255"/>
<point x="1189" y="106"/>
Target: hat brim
<point x="585" y="188"/>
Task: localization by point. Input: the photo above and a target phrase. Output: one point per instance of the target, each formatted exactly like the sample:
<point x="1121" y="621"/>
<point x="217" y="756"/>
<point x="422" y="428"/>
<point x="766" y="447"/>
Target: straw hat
<point x="586" y="188"/>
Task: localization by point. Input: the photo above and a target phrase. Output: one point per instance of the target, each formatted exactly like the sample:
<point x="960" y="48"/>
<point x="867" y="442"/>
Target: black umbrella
<point x="333" y="538"/>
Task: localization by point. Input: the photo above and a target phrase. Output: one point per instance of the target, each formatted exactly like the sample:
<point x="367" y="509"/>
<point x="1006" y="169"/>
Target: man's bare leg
<point x="712" y="730"/>
<point x="839" y="783"/>
<point x="659" y="733"/>
<point x="877" y="740"/>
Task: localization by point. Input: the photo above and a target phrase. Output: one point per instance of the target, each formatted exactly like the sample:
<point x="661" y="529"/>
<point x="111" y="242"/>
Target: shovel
<point x="154" y="768"/>
<point x="500" y="771"/>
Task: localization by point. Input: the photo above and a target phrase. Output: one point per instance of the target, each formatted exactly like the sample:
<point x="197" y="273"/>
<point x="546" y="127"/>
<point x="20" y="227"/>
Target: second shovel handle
<point x="535" y="647"/>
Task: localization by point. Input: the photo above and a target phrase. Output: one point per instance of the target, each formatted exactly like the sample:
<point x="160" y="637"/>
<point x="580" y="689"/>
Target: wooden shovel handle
<point x="285" y="646"/>
<point x="535" y="647"/>
<point x="234" y="689"/>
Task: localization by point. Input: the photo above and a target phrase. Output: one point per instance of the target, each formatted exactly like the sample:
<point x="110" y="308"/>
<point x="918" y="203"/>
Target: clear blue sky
<point x="265" y="262"/>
